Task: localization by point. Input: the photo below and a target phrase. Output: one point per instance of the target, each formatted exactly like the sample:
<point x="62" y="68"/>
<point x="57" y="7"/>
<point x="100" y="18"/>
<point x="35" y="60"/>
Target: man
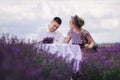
<point x="52" y="31"/>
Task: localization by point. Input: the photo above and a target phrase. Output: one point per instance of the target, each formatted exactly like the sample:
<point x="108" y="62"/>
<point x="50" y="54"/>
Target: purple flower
<point x="23" y="61"/>
<point x="108" y="63"/>
<point x="106" y="59"/>
<point x="48" y="40"/>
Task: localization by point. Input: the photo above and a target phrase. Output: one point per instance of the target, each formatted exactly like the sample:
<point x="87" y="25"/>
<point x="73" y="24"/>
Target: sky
<point x="24" y="18"/>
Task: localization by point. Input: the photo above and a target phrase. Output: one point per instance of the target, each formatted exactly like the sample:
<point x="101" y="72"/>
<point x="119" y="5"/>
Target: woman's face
<point x="72" y="26"/>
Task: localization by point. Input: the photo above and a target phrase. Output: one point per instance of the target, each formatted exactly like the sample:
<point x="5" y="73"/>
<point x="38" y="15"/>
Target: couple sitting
<point x="77" y="34"/>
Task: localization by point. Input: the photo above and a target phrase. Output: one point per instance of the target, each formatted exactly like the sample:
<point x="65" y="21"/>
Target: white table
<point x="66" y="50"/>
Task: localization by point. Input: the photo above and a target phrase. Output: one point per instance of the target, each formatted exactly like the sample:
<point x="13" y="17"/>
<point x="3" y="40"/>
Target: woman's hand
<point x="88" y="46"/>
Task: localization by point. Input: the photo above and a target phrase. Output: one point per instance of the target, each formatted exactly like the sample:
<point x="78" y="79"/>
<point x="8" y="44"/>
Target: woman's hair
<point x="79" y="22"/>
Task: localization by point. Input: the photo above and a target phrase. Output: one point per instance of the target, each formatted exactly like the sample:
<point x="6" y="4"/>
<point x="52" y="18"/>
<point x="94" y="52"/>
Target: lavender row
<point x="103" y="64"/>
<point x="22" y="61"/>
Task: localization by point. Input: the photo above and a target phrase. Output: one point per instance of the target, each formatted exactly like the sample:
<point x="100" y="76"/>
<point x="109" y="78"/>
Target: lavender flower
<point x="103" y="64"/>
<point x="48" y="40"/>
<point x="23" y="61"/>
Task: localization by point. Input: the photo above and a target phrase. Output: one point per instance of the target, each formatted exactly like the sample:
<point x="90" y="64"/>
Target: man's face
<point x="53" y="26"/>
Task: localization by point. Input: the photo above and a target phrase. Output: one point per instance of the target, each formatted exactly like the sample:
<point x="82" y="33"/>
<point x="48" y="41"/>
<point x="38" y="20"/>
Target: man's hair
<point x="58" y="20"/>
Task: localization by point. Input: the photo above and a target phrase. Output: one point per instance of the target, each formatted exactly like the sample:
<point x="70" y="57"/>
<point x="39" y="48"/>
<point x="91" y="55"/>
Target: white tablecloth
<point x="66" y="50"/>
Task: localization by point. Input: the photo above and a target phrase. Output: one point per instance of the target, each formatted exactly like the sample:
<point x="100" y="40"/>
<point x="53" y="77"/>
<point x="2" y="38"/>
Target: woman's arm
<point x="91" y="42"/>
<point x="68" y="38"/>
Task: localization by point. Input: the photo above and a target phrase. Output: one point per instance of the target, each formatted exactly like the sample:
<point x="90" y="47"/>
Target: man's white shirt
<point x="44" y="32"/>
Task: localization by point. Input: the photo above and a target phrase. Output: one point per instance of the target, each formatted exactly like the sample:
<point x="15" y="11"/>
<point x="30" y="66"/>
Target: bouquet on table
<point x="48" y="40"/>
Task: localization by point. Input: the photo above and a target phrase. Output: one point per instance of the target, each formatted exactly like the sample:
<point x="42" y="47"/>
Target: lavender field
<point x="103" y="64"/>
<point x="20" y="60"/>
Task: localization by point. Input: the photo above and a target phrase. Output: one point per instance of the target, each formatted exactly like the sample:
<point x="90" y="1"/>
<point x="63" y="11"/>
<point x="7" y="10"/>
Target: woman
<point x="79" y="36"/>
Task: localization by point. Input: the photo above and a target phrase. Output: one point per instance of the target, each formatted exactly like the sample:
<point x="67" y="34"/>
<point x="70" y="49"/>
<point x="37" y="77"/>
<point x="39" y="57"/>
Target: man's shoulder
<point x="59" y="32"/>
<point x="41" y="33"/>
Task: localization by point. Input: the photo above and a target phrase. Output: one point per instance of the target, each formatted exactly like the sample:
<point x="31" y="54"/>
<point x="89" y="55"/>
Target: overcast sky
<point x="25" y="17"/>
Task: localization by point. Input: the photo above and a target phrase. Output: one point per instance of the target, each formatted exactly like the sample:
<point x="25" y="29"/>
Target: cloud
<point x="18" y="12"/>
<point x="27" y="16"/>
<point x="3" y="29"/>
<point x="107" y="37"/>
<point x="110" y="23"/>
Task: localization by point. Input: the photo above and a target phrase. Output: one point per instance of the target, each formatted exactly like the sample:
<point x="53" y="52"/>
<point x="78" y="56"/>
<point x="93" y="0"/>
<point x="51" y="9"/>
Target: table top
<point x="65" y="50"/>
